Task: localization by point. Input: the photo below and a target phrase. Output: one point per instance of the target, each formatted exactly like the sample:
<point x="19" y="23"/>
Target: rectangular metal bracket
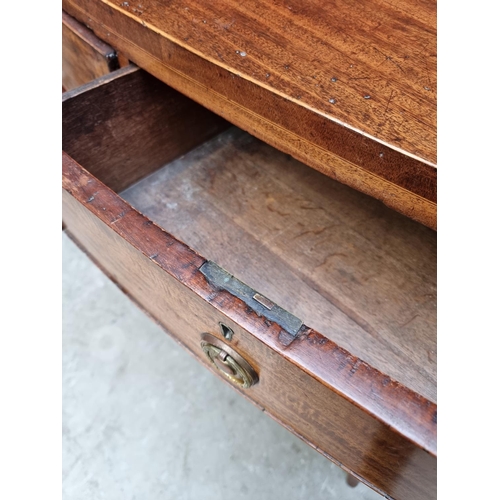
<point x="222" y="280"/>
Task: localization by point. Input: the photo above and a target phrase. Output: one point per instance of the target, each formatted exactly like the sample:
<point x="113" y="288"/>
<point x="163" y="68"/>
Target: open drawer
<point x="314" y="301"/>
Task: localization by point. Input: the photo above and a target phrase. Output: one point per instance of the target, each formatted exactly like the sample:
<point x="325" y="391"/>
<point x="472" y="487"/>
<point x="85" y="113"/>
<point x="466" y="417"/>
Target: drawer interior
<point x="346" y="265"/>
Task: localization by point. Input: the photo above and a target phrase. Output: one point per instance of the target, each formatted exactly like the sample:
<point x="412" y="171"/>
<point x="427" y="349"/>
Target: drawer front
<point x="84" y="56"/>
<point x="155" y="275"/>
<point x="341" y="406"/>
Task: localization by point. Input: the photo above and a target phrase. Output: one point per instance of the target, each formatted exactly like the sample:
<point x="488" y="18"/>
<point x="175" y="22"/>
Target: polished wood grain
<point x="135" y="122"/>
<point x="375" y="428"/>
<point x="84" y="56"/>
<point x="378" y="136"/>
<point x="361" y="274"/>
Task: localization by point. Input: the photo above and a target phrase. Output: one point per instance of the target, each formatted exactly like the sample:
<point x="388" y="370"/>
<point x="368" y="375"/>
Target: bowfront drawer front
<point x="190" y="184"/>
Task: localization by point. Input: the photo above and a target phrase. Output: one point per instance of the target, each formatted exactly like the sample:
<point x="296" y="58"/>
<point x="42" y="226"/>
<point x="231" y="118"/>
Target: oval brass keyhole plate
<point x="228" y="362"/>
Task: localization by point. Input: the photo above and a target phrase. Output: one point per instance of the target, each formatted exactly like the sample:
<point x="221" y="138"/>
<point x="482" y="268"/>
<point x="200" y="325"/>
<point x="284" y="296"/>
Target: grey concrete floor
<point x="143" y="420"/>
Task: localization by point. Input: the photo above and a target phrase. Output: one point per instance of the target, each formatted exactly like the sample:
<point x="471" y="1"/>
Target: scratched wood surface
<point x="349" y="267"/>
<point x="370" y="425"/>
<point x="381" y="54"/>
<point x="349" y="88"/>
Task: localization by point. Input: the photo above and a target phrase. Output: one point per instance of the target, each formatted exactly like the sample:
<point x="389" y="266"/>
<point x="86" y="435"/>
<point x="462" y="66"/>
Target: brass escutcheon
<point x="228" y="362"/>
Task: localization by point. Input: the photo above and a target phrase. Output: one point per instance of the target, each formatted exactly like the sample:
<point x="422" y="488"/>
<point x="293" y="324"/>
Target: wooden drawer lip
<point x="404" y="183"/>
<point x="102" y="80"/>
<point x="407" y="413"/>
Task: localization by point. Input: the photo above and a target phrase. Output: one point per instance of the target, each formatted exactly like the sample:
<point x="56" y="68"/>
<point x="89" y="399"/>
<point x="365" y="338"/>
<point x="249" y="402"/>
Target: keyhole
<point x="226" y="331"/>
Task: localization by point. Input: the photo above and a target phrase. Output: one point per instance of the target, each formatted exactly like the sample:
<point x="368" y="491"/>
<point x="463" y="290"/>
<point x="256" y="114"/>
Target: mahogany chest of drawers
<point x="313" y="299"/>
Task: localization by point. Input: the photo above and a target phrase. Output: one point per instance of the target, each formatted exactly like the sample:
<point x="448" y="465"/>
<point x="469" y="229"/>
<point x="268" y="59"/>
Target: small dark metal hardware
<point x="221" y="279"/>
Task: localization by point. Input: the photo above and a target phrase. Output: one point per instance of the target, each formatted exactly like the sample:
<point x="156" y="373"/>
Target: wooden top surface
<point x="376" y="59"/>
